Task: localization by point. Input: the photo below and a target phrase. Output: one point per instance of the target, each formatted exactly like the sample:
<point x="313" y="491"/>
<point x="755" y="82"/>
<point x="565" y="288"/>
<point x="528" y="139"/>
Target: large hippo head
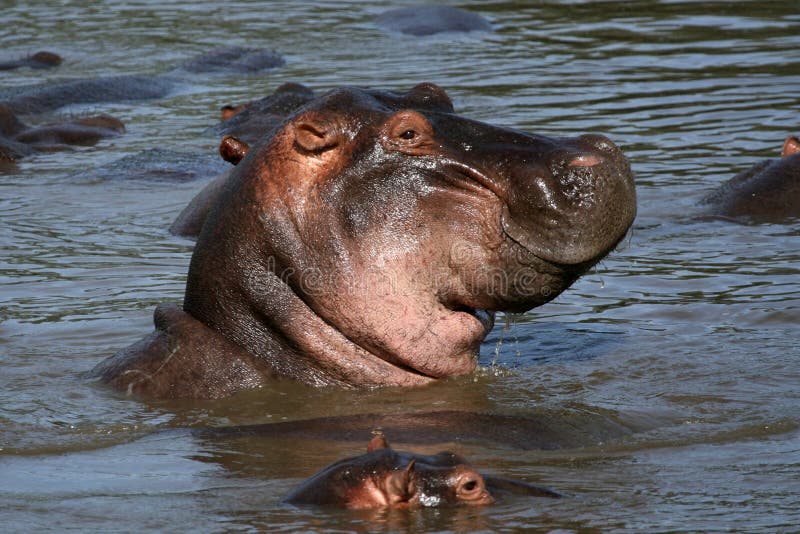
<point x="369" y="240"/>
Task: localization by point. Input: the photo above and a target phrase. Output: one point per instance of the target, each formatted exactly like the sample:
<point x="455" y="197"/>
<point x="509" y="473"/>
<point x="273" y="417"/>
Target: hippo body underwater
<point x="368" y="241"/>
<point x="767" y="192"/>
<point x="18" y="139"/>
<point x="48" y="97"/>
<point x="385" y="478"/>
<point x="429" y="20"/>
<point x="39" y="60"/>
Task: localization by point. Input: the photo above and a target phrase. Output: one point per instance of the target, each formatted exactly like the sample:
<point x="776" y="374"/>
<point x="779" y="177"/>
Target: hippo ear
<point x="378" y="441"/>
<point x="233" y="149"/>
<point x="226" y="112"/>
<point x="315" y="135"/>
<point x="791" y="146"/>
<point x="400" y="485"/>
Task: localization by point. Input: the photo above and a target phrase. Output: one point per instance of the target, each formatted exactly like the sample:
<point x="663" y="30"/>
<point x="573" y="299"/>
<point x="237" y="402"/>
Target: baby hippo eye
<point x="408" y="134"/>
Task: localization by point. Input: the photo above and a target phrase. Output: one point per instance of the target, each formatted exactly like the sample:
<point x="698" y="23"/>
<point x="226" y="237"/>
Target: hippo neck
<point x="275" y="325"/>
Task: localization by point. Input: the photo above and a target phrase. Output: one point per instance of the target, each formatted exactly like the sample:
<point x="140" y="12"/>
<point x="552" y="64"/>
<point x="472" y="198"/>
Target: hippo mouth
<point x="482" y="317"/>
<point x="474" y="323"/>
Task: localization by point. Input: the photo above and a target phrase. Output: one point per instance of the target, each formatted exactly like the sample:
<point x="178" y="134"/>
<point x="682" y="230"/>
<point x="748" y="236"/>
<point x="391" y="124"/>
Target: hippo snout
<point x="576" y="210"/>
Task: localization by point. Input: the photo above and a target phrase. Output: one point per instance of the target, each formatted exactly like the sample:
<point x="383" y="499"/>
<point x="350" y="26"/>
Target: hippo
<point x="252" y="120"/>
<point x="18" y="140"/>
<point x="429" y="20"/>
<point x="233" y="60"/>
<point x="767" y="192"/>
<point x="49" y="97"/>
<point x="156" y="164"/>
<point x="368" y="242"/>
<point x="539" y="429"/>
<point x="39" y="60"/>
<point x="385" y="478"/>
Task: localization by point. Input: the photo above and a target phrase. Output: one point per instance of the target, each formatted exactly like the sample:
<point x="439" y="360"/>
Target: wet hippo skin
<point x="190" y="220"/>
<point x="368" y="241"/>
<point x="767" y="192"/>
<point x="385" y="478"/>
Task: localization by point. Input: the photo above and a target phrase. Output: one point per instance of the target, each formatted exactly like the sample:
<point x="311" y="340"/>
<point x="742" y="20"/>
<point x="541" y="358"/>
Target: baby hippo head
<point x="385" y="478"/>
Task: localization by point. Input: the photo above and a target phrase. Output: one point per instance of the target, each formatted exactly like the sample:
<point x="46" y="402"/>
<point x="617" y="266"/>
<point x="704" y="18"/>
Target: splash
<point x="511" y="319"/>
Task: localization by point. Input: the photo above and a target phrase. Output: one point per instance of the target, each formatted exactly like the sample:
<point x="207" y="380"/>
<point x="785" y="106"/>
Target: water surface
<point x="690" y="333"/>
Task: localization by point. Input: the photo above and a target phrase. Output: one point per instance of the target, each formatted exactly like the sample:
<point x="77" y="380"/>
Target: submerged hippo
<point x="369" y="240"/>
<point x="39" y="60"/>
<point x="251" y="121"/>
<point x="767" y="192"/>
<point x="155" y="164"/>
<point x="48" y="97"/>
<point x="428" y="20"/>
<point x="18" y="140"/>
<point x="385" y="478"/>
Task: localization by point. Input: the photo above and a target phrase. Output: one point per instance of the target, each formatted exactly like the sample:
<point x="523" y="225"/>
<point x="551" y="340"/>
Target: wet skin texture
<point x="368" y="241"/>
<point x="767" y="192"/>
<point x="18" y="140"/>
<point x="385" y="478"/>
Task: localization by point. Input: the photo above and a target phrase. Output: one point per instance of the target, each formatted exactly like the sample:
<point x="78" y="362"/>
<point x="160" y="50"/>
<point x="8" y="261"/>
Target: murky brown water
<point x="690" y="334"/>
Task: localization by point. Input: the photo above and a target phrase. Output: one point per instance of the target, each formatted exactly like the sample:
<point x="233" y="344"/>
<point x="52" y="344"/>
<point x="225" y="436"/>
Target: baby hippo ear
<point x="791" y="146"/>
<point x="232" y="149"/>
<point x="400" y="485"/>
<point x="314" y="134"/>
<point x="378" y="441"/>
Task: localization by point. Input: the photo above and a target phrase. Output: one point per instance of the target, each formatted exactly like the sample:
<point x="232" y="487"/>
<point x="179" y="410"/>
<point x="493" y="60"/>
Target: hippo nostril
<point x="584" y="160"/>
<point x="470" y="486"/>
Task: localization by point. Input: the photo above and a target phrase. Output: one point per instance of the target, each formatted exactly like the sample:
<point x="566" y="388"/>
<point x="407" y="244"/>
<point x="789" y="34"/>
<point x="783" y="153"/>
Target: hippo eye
<point x="408" y="134"/>
<point x="471" y="485"/>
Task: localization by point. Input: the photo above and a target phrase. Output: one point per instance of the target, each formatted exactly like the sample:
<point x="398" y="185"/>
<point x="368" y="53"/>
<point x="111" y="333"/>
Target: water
<point x="690" y="331"/>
